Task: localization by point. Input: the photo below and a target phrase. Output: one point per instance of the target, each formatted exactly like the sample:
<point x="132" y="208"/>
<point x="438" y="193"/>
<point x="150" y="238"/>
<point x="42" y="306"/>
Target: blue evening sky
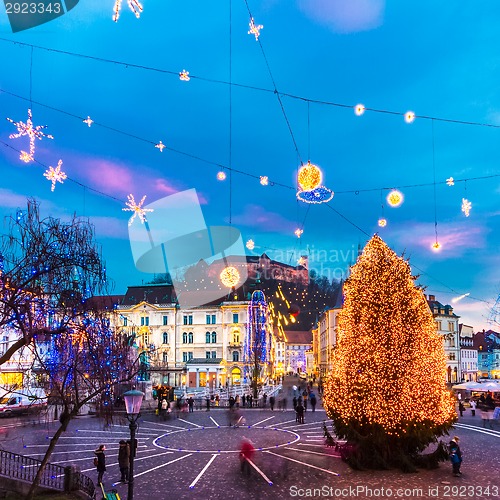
<point x="438" y="58"/>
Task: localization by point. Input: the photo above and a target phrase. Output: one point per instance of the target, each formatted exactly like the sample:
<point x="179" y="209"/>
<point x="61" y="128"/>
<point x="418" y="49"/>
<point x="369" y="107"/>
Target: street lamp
<point x="133" y="402"/>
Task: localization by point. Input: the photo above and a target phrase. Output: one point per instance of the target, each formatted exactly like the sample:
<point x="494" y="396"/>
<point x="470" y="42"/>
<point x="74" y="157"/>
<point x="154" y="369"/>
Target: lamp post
<point x="133" y="402"/>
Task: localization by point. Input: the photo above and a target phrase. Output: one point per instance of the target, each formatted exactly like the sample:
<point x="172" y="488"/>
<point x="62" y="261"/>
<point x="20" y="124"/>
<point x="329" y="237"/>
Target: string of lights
<point x="254" y="87"/>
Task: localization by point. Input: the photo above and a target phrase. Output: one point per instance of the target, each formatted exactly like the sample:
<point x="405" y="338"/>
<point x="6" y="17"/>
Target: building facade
<point x="297" y="343"/>
<point x="468" y="354"/>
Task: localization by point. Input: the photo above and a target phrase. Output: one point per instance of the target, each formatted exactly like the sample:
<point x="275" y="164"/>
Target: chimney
<point x="432" y="297"/>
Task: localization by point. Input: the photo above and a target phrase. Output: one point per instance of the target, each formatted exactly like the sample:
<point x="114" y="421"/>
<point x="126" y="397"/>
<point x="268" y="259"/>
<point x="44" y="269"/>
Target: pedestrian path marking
<point x="281" y="423"/>
<point x="302" y="463"/>
<point x="299" y="426"/>
<point x="96" y="437"/>
<point x="314" y="445"/>
<point x="265" y="420"/>
<point x="166" y="425"/>
<point x="260" y="472"/>
<point x="69" y="451"/>
<point x="162" y="465"/>
<point x="478" y="429"/>
<point x="190" y="423"/>
<point x="127" y="433"/>
<point x="214" y="422"/>
<point x="313" y="452"/>
<point x="203" y="471"/>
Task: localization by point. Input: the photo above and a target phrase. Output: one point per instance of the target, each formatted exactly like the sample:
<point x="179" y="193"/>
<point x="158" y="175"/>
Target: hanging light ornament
<point x="320" y="194"/>
<point x="298" y="232"/>
<point x="264" y="180"/>
<point x="33" y="132"/>
<point x="229" y="276"/>
<point x="382" y="222"/>
<point x="436" y="246"/>
<point x="160" y="146"/>
<point x="132" y="206"/>
<point x="466" y="206"/>
<point x="309" y="177"/>
<point x="450" y="181"/>
<point x="221" y="175"/>
<point x="134" y="6"/>
<point x="88" y="121"/>
<point x="55" y="175"/>
<point x="395" y="198"/>
<point x="250" y="244"/>
<point x="254" y="29"/>
<point x="184" y="76"/>
<point x="410" y="117"/>
<point x="359" y="109"/>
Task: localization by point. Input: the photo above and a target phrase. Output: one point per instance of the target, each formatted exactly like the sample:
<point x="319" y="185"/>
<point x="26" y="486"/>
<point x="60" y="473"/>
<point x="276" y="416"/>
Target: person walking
<point x="100" y="462"/>
<point x="294" y="403"/>
<point x="461" y="408"/>
<point x="191" y="404"/>
<point x="313" y="401"/>
<point x="284" y="404"/>
<point x="300" y="412"/>
<point x="247" y="451"/>
<point x="473" y="408"/>
<point x="208" y="403"/>
<point x="124" y="460"/>
<point x="455" y="456"/>
<point x="243" y="399"/>
<point x="271" y="402"/>
<point x="304" y="396"/>
<point x="264" y="400"/>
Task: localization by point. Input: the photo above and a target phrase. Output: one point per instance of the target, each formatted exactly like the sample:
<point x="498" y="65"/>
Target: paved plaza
<point x="196" y="456"/>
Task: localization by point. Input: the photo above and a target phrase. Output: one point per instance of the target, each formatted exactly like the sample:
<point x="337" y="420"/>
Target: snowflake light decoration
<point x="160" y="146"/>
<point x="250" y="244"/>
<point x="184" y="76"/>
<point x="298" y="232"/>
<point x="466" y="206"/>
<point x="450" y="181"/>
<point x="88" y="121"/>
<point x="33" y="132"/>
<point x="255" y="29"/>
<point x="132" y="206"/>
<point x="264" y="180"/>
<point x="134" y="6"/>
<point x="55" y="175"/>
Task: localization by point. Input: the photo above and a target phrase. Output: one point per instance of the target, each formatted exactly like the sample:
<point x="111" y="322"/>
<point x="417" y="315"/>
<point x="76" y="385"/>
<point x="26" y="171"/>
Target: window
<point x="125" y="321"/>
<point x="165" y="337"/>
<point x="208" y="319"/>
<point x="213" y="319"/>
<point x="236" y="356"/>
<point x="165" y="357"/>
<point x="207" y="355"/>
<point x="451" y="326"/>
<point x="235" y="318"/>
<point x="214" y="354"/>
<point x="145" y="338"/>
<point x="185" y="320"/>
<point x="184" y="338"/>
<point x="165" y="320"/>
<point x="207" y="338"/>
<point x="214" y="337"/>
<point x="236" y="338"/>
<point x="184" y="356"/>
<point x="190" y="338"/>
<point x="190" y="356"/>
<point x="438" y="323"/>
<point x="190" y="319"/>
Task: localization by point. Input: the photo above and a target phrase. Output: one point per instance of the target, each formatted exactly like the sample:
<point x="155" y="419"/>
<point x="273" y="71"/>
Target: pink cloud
<point x="109" y="176"/>
<point x="256" y="216"/>
<point x="455" y="238"/>
<point x="345" y="16"/>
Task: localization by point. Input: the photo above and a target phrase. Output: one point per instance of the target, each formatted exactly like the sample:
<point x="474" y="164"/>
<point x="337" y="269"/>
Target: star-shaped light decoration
<point x="134" y="6"/>
<point x="450" y="181"/>
<point x="160" y="146"/>
<point x="250" y="244"/>
<point x="298" y="232"/>
<point x="255" y="29"/>
<point x="33" y="132"/>
<point x="302" y="261"/>
<point x="132" y="206"/>
<point x="264" y="180"/>
<point x="88" y="121"/>
<point x="55" y="175"/>
<point x="184" y="76"/>
<point x="466" y="206"/>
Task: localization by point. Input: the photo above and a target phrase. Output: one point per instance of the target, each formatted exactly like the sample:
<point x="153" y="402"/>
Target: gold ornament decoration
<point x="221" y="176"/>
<point x="309" y="177"/>
<point x="436" y="246"/>
<point x="395" y="198"/>
<point x="229" y="276"/>
<point x="382" y="222"/>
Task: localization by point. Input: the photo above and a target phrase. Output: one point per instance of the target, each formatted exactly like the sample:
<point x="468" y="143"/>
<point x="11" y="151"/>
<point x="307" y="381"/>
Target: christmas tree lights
<point x="31" y="131"/>
<point x="386" y="392"/>
<point x="55" y="175"/>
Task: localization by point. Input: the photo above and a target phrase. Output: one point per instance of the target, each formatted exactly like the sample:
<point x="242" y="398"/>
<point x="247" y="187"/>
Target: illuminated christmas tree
<point x="386" y="393"/>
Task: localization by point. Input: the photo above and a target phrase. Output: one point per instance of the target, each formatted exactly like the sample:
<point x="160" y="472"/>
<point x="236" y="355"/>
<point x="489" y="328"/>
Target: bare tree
<point x="47" y="267"/>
